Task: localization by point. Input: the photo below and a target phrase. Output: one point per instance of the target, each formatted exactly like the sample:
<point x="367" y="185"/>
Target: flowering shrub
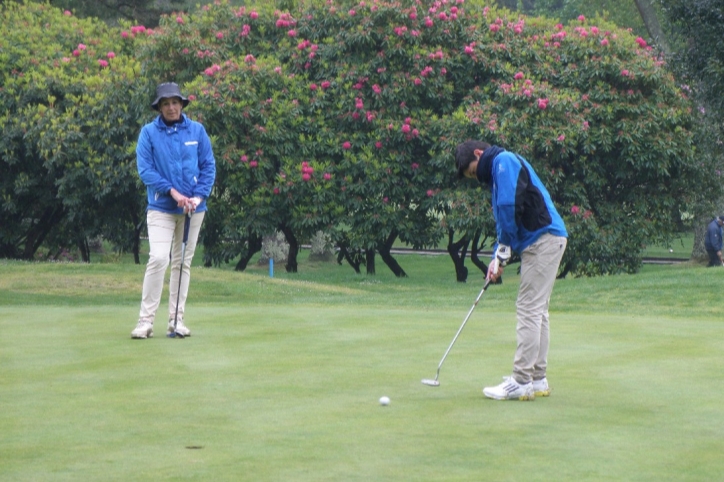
<point x="68" y="113"/>
<point x="344" y="116"/>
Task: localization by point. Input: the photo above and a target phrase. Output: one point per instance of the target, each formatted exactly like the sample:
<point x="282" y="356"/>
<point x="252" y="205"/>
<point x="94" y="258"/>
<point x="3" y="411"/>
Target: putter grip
<point x="187" y="223"/>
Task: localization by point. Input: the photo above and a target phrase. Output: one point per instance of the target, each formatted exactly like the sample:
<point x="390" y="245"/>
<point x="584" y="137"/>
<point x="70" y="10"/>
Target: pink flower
<point x="418" y="81"/>
<point x="306" y="177"/>
<point x="192" y="97"/>
<point x="587" y="214"/>
<point x="292" y="33"/>
<point x="625" y="73"/>
<point x="494" y="27"/>
<point x="604" y="42"/>
<point x="76" y="53"/>
<point x="385" y="199"/>
<point x="253" y="164"/>
<point x="244" y="158"/>
<point x="575" y="209"/>
<point x="253" y="15"/>
<point x="518" y="76"/>
<point x="110" y="55"/>
<point x="469" y="50"/>
<point x="325" y="84"/>
<point x="179" y="20"/>
<point x="249" y="59"/>
<point x="594" y="30"/>
<point x="415" y="165"/>
<point x="542" y="103"/>
<point x="124" y="34"/>
<point x="581" y="18"/>
<point x="415" y="132"/>
<point x="276" y="190"/>
<point x="67" y="13"/>
<point x="377" y="89"/>
<point x="347" y="145"/>
<point x="352" y="13"/>
<point x="219" y="35"/>
<point x="561" y="138"/>
<point x="327" y="176"/>
<point x="378" y="145"/>
<point x="430" y="193"/>
<point x="428" y="22"/>
<point x="313" y="86"/>
<point x="406" y="128"/>
<point x="103" y="63"/>
<point x="585" y="125"/>
<point x="81" y="47"/>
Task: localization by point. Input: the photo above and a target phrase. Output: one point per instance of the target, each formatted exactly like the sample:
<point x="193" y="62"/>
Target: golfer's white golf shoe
<point x="510" y="389"/>
<point x="541" y="388"/>
<point x="144" y="329"/>
<point x="180" y="328"/>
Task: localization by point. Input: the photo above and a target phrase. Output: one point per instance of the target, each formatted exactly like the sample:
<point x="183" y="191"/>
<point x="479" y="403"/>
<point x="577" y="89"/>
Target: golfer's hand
<point x="502" y="254"/>
<point x="495" y="270"/>
<point x="181" y="200"/>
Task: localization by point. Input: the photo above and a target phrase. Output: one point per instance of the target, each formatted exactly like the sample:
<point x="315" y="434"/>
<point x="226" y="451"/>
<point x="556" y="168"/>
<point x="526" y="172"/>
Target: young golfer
<point x="527" y="223"/>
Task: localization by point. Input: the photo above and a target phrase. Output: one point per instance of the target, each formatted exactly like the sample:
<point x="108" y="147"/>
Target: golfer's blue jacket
<point x="713" y="238"/>
<point x="522" y="206"/>
<point x="177" y="156"/>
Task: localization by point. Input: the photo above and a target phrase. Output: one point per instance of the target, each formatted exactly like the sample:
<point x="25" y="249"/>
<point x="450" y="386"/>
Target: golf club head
<point x="430" y="383"/>
<point x="174" y="334"/>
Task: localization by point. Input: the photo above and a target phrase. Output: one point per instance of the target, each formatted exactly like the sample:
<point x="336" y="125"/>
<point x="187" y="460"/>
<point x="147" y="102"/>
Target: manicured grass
<point x="281" y="378"/>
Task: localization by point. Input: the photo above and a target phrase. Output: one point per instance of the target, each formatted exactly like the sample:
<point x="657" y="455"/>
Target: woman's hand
<point x="188" y="204"/>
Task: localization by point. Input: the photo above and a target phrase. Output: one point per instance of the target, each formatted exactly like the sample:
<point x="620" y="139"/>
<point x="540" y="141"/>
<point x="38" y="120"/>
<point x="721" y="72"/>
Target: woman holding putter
<point x="176" y="163"/>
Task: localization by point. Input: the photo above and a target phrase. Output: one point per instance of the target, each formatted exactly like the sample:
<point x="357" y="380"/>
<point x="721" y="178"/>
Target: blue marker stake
<point x="271" y="267"/>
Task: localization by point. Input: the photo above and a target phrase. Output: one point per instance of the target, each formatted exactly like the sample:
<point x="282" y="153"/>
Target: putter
<point x="187" y="223"/>
<point x="435" y="383"/>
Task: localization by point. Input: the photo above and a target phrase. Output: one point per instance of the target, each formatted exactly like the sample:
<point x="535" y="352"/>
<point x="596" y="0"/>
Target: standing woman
<point x="176" y="163"/>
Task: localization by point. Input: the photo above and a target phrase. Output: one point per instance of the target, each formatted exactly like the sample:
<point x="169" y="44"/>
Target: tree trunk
<point x="84" y="248"/>
<point x="698" y="252"/>
<point x="291" y="265"/>
<point x="370" y="260"/>
<point x="461" y="272"/>
<point x="37" y="233"/>
<point x="253" y="246"/>
<point x="648" y="15"/>
<point x="384" y="248"/>
<point x="354" y="259"/>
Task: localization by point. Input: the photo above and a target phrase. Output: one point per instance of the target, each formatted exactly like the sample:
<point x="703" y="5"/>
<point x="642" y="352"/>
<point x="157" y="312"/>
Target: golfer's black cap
<point x="166" y="91"/>
<point x="721" y="218"/>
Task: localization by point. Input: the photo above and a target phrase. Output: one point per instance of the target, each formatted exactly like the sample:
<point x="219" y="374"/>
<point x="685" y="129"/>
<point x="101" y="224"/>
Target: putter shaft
<point x="435" y="383"/>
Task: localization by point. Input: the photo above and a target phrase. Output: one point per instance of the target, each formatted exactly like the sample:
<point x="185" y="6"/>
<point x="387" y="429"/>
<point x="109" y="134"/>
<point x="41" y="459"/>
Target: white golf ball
<point x="671" y="250"/>
<point x="384" y="401"/>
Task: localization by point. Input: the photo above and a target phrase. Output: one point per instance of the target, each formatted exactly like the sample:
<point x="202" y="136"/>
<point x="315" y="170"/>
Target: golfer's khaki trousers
<point x="165" y="236"/>
<point x="538" y="270"/>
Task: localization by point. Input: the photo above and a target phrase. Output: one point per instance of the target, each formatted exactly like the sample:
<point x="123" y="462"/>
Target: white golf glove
<point x="503" y="254"/>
